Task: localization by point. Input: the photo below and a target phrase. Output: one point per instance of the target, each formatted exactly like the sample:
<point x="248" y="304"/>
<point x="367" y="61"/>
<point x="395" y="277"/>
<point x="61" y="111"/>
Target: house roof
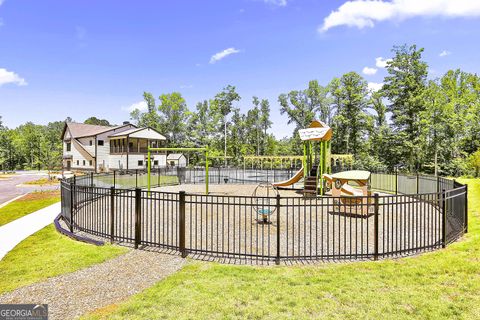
<point x="142" y="133"/>
<point x="174" y="156"/>
<point x="79" y="130"/>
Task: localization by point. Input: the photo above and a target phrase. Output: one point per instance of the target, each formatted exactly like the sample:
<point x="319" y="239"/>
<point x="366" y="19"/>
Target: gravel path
<point x="71" y="295"/>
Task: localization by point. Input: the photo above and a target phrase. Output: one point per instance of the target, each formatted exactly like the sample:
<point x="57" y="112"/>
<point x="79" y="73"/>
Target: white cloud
<point x="444" y="53"/>
<point x="381" y="62"/>
<point x="374" y="86"/>
<point x="365" y="13"/>
<point x="11" y="77"/>
<point x="369" y="71"/>
<point x="141" y="105"/>
<point x="186" y="86"/>
<point x="223" y="54"/>
<point x="280" y="3"/>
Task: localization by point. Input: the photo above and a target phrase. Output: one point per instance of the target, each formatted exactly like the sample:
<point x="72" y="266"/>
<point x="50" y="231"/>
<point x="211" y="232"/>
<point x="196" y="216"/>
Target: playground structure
<point x="340" y="219"/>
<point x="316" y="159"/>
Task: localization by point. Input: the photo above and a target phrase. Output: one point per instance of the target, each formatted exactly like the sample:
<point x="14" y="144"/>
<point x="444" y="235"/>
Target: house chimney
<point x="126" y="122"/>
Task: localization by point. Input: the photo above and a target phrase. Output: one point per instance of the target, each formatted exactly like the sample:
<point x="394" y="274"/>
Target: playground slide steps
<point x="310" y="185"/>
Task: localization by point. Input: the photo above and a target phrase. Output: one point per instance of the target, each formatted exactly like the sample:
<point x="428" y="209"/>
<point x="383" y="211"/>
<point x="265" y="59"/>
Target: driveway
<point x="9" y="189"/>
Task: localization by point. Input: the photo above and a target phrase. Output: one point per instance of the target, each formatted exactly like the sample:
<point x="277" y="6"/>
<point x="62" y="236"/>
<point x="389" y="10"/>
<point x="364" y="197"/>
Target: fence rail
<point x="419" y="213"/>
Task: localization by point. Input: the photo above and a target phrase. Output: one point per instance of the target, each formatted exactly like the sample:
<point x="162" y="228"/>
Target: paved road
<point x="9" y="189"/>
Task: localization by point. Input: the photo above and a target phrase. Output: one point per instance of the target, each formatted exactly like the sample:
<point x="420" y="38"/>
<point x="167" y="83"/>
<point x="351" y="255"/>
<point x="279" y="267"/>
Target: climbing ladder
<point x="310" y="182"/>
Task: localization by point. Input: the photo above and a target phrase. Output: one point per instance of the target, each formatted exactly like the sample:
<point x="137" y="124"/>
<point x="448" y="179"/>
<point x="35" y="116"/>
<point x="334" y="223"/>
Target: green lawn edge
<point x="46" y="254"/>
<point x="20" y="208"/>
<point x="444" y="284"/>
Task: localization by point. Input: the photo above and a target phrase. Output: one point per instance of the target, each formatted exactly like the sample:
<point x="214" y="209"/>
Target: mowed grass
<point x="439" y="285"/>
<point x="27" y="204"/>
<point x="43" y="182"/>
<point x="46" y="254"/>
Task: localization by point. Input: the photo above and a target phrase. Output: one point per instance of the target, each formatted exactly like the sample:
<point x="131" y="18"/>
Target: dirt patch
<point x="40" y="195"/>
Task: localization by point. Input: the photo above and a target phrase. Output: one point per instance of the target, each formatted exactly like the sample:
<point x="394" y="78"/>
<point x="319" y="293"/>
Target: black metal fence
<point x="419" y="213"/>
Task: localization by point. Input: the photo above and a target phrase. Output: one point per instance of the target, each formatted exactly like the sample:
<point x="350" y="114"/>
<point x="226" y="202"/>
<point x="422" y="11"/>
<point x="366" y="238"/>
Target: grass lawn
<point x="27" y="204"/>
<point x="47" y="253"/>
<point x="439" y="285"/>
<point x="43" y="182"/>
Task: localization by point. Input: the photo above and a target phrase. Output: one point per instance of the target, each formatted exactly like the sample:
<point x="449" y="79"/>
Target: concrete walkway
<point x="14" y="232"/>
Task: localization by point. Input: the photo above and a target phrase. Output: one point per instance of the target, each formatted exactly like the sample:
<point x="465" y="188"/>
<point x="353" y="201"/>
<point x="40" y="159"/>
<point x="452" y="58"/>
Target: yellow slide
<point x="298" y="175"/>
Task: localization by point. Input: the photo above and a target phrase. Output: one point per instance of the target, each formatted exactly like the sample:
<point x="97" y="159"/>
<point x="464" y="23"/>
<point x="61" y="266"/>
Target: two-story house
<point x="102" y="148"/>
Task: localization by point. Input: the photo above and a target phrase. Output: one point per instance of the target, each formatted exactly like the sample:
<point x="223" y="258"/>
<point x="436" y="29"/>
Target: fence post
<point x="114" y="178"/>
<point x="91" y="179"/>
<point x="138" y="217"/>
<point x="277" y="258"/>
<point x="181" y="224"/>
<point x="375" y="217"/>
<point x="72" y="203"/>
<point x="466" y="209"/>
<point x="136" y="178"/>
<point x="444" y="219"/>
<point x="112" y="214"/>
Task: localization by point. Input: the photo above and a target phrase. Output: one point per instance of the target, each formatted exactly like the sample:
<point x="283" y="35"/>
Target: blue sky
<point x="95" y="58"/>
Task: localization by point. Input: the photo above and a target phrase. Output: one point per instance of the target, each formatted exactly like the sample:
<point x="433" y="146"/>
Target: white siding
<point x="105" y="161"/>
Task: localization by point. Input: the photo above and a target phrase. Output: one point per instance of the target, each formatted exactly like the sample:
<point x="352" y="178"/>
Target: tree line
<point x="412" y="122"/>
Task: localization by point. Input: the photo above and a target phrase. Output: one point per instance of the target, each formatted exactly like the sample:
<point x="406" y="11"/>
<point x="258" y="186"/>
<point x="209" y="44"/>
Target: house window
<point x="140" y="163"/>
<point x="155" y="162"/>
<point x="100" y="142"/>
<point x="83" y="162"/>
<point x="78" y="162"/>
<point x="69" y="146"/>
<point x="91" y="143"/>
<point x="91" y="163"/>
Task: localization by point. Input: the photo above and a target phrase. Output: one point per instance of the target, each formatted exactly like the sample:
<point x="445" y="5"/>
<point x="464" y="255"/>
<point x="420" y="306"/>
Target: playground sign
<point x="313" y="133"/>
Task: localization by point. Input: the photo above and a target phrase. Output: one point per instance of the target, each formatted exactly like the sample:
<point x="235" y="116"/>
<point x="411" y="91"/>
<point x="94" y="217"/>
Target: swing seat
<point x="264" y="211"/>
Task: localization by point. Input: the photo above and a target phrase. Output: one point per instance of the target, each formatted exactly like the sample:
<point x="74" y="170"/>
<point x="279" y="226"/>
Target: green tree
<point x="265" y="123"/>
<point x="174" y="116"/>
<point x="223" y="104"/>
<point x="96" y="121"/>
<point x="404" y="87"/>
<point x="351" y="118"/>
<point x="150" y="118"/>
<point x="253" y="123"/>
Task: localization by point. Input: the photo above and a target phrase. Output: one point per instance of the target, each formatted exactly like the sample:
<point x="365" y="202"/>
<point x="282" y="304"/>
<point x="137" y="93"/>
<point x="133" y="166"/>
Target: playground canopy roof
<point x="317" y="131"/>
<point x="353" y="175"/>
